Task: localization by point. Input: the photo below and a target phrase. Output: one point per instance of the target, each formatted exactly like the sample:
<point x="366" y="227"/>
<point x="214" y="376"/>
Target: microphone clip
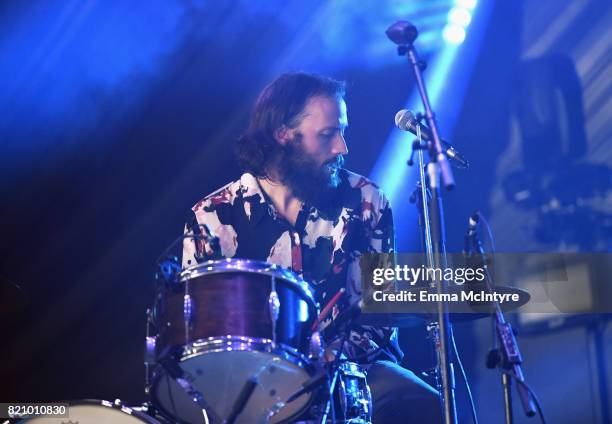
<point x="417" y="144"/>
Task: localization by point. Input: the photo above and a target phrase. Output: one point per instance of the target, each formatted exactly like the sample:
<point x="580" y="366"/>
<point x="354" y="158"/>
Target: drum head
<point x="96" y="411"/>
<point x="220" y="377"/>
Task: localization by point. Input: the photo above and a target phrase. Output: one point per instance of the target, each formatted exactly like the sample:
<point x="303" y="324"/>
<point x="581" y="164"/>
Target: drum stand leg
<point x="330" y="397"/>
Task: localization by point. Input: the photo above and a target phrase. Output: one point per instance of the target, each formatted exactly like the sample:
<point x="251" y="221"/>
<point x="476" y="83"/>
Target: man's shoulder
<point x="245" y="186"/>
<point x="370" y="191"/>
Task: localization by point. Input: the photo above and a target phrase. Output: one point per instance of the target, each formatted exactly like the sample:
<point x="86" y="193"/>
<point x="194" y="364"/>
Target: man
<point x="296" y="206"/>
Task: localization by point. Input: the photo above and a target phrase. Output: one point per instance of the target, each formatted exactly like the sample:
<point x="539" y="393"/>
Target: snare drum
<point x="354" y="395"/>
<point x="97" y="411"/>
<point x="352" y="398"/>
<point x="225" y="323"/>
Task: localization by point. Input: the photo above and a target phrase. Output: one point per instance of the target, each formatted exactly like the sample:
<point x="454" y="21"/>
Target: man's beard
<point x="310" y="182"/>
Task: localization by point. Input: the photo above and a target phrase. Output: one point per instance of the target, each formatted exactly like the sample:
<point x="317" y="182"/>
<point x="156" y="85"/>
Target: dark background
<point x="115" y="118"/>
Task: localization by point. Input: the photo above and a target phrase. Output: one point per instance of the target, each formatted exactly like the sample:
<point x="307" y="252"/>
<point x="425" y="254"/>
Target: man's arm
<point x="377" y="342"/>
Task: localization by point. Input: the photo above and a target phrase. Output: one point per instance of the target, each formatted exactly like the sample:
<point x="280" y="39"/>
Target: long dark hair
<point x="281" y="103"/>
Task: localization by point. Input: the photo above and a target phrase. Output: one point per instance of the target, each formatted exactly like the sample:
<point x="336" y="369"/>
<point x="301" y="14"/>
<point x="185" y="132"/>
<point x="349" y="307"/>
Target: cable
<point x="533" y="395"/>
<point x="465" y="380"/>
<point x="489" y="231"/>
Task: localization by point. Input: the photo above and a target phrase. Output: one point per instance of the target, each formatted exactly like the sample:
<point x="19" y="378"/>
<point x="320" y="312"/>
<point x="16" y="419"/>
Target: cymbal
<point x="12" y="297"/>
<point x="413" y="314"/>
<point x="411" y="320"/>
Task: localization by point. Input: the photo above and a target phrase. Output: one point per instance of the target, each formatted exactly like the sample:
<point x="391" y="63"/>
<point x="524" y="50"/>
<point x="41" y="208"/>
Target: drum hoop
<point x="353" y="369"/>
<point x="248" y="266"/>
<point x="115" y="406"/>
<point x="231" y="343"/>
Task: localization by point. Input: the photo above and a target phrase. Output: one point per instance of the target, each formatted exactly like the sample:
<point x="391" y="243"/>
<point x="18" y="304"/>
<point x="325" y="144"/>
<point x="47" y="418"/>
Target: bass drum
<point x="96" y="411"/>
<point x="224" y="325"/>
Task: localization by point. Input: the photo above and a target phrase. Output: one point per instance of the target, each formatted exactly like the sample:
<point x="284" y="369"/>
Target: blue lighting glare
<point x="453" y="34"/>
<point x="459" y="16"/>
<point x="468" y="4"/>
<point x="446" y="85"/>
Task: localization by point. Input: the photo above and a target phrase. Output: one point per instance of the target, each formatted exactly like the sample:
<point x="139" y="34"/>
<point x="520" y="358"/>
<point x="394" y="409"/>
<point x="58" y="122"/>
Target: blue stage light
<point x="446" y="84"/>
<point x="467" y="4"/>
<point x="459" y="16"/>
<point x="453" y="34"/>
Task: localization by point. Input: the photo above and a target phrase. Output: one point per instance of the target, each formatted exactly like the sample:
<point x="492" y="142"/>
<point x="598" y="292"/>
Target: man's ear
<point x="283" y="135"/>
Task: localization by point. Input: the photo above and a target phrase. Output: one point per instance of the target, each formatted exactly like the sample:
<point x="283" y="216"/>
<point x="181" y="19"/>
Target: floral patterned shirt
<point x="322" y="247"/>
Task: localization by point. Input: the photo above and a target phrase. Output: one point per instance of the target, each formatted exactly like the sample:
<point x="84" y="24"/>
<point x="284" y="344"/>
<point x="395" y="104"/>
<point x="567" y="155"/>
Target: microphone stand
<point x="439" y="172"/>
<point x="508" y="357"/>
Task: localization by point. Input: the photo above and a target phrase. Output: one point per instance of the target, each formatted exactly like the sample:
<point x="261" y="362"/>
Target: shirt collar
<point x="252" y="190"/>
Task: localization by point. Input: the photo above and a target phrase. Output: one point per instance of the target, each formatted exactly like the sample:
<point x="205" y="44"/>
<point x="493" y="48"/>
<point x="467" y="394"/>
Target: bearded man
<point x="297" y="207"/>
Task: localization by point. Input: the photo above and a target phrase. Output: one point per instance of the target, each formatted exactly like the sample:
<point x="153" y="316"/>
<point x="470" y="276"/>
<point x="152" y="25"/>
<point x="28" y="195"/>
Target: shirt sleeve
<point x="197" y="247"/>
<point x="192" y="245"/>
<point x="370" y="342"/>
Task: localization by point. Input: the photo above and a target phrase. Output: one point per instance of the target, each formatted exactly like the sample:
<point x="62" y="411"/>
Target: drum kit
<point x="232" y="341"/>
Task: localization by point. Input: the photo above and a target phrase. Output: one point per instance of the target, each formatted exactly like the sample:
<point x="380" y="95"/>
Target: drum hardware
<point x="351" y="394"/>
<point x="187" y="313"/>
<point x="150" y="349"/>
<point x="316" y="347"/>
<point x="342" y="323"/>
<point x="273" y="307"/>
<point x="327" y="379"/>
<point x="329" y="404"/>
<point x="168" y="269"/>
<point x="354" y="394"/>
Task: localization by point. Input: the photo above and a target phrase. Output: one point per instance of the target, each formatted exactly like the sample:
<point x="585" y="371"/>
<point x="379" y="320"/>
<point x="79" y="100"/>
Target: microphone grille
<point x="403" y="119"/>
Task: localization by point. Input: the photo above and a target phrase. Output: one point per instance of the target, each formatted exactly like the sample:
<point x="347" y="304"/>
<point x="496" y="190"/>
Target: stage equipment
<point x="405" y="120"/>
<point x="233" y="334"/>
<point x="352" y="395"/>
<point x="439" y="173"/>
<point x="98" y="411"/>
<point x="508" y="358"/>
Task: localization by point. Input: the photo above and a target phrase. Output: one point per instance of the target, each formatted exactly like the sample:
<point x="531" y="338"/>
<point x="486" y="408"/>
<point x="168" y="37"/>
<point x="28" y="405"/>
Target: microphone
<point x="405" y="121"/>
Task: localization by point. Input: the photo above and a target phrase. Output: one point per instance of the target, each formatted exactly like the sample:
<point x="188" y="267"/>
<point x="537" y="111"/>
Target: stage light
<point x="459" y="16"/>
<point x="467" y="4"/>
<point x="447" y="82"/>
<point x="453" y="34"/>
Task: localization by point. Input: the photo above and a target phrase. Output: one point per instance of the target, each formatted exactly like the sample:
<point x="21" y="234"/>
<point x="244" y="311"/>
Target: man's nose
<point x="339" y="146"/>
